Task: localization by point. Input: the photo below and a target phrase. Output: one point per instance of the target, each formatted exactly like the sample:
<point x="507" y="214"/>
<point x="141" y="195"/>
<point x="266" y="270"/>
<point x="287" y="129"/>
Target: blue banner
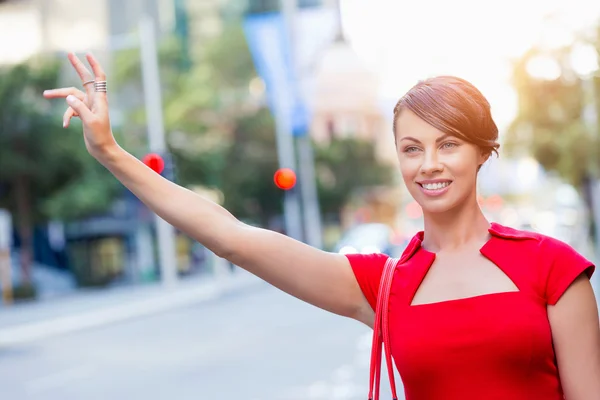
<point x="268" y="40"/>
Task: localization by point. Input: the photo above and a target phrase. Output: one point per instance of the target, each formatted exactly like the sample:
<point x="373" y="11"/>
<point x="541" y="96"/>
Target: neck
<point x="455" y="228"/>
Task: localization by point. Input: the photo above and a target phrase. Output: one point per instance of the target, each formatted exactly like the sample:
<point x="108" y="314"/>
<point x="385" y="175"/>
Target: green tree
<point x="201" y="104"/>
<point x="553" y="121"/>
<point x="344" y="166"/>
<point x="550" y="122"/>
<point x="220" y="137"/>
<point x="45" y="172"/>
<point x="247" y="175"/>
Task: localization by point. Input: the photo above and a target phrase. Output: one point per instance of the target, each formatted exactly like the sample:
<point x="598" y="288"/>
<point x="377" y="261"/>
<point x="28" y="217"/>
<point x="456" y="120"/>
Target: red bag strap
<point x="381" y="334"/>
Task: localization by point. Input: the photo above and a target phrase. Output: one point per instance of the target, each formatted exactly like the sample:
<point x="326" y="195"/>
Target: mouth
<point x="435" y="188"/>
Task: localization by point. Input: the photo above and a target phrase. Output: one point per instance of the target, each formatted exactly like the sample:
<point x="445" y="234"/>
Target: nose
<point x="431" y="163"/>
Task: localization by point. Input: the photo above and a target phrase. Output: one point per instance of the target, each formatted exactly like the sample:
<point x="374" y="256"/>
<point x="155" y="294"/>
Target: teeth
<point x="435" y="186"/>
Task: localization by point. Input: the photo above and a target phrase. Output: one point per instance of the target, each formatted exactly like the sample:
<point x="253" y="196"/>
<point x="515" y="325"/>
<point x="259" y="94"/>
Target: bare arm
<point x="320" y="278"/>
<point x="576" y="336"/>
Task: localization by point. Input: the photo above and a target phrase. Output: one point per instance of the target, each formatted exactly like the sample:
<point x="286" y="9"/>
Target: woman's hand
<point x="90" y="106"/>
<point x="323" y="279"/>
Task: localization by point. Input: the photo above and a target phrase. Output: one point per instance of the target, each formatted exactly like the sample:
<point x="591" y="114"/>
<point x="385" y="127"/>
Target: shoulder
<point x="562" y="265"/>
<point x="546" y="248"/>
<point x="550" y="262"/>
<point x="516" y="238"/>
<point x="372" y="261"/>
<point x="541" y="246"/>
<point x="368" y="269"/>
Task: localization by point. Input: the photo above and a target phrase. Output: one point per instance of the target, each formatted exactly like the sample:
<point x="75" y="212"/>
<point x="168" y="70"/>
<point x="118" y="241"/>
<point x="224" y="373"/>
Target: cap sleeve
<point x="564" y="266"/>
<point x="367" y="269"/>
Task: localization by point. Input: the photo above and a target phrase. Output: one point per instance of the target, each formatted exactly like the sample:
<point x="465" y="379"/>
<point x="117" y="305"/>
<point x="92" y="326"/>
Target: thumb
<point x="80" y="107"/>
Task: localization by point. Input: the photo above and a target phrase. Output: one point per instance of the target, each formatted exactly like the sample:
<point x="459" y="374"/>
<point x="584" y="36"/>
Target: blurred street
<point x="251" y="343"/>
<point x="255" y="344"/>
<point x="284" y="113"/>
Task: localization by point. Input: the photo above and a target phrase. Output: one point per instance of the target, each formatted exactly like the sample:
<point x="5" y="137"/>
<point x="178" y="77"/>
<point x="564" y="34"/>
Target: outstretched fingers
<point x="84" y="74"/>
<point x="70" y="113"/>
<point x="100" y="99"/>
<point x="92" y="105"/>
<point x="62" y="93"/>
<point x="80" y="108"/>
<point x="96" y="68"/>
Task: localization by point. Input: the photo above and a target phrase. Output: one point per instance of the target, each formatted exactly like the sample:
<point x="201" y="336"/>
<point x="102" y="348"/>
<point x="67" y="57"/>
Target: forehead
<point x="409" y="124"/>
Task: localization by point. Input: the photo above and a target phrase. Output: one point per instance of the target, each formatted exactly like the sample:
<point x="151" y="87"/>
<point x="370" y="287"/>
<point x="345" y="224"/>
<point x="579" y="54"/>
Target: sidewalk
<point x="27" y="322"/>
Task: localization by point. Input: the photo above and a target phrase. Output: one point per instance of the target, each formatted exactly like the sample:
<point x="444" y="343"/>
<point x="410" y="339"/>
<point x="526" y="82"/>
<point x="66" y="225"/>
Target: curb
<point x="171" y="298"/>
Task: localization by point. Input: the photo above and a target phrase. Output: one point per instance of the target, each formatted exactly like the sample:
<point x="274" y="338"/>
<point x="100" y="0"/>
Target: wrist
<point x="107" y="152"/>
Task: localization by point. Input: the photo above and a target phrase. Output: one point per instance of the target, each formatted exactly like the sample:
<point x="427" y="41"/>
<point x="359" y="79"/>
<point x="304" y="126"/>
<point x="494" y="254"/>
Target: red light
<point x="285" y="178"/>
<point x="155" y="162"/>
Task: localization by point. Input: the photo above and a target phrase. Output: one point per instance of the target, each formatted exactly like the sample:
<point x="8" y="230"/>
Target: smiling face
<point x="444" y="132"/>
<point x="439" y="169"/>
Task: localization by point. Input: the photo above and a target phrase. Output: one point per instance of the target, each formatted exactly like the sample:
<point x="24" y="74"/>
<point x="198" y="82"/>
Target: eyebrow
<point x="412" y="139"/>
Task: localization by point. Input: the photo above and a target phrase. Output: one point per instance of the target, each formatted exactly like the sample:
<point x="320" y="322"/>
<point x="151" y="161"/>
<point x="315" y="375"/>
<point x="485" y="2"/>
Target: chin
<point x="437" y="209"/>
<point x="438" y="206"/>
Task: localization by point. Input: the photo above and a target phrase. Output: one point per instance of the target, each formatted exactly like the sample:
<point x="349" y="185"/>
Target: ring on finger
<point x="88" y="82"/>
<point x="100" y="86"/>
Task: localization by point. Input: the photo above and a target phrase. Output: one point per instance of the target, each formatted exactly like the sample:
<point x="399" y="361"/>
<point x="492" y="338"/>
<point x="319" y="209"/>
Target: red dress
<point x="493" y="346"/>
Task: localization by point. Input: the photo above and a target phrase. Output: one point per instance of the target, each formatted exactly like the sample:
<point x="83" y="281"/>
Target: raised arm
<point x="317" y="277"/>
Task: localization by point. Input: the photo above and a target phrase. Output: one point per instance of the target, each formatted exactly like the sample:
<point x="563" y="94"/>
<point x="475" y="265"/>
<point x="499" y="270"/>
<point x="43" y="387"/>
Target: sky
<point x="403" y="42"/>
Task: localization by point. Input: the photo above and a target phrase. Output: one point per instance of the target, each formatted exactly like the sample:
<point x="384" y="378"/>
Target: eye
<point x="411" y="149"/>
<point x="449" y="145"/>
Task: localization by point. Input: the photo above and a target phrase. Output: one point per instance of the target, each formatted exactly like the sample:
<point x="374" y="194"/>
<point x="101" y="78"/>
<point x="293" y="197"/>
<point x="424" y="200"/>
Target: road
<point x="256" y="345"/>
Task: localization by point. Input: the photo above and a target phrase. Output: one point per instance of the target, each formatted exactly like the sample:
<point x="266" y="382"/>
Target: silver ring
<point x="100" y="86"/>
<point x="88" y="82"/>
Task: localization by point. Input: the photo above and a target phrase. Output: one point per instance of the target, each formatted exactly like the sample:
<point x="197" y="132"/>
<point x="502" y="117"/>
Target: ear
<point x="484" y="155"/>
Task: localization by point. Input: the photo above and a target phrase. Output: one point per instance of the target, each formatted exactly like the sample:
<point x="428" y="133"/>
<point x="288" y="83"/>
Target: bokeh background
<point x="281" y="111"/>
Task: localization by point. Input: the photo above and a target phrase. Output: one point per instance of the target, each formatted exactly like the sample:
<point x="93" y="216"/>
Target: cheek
<point x="462" y="165"/>
<point x="409" y="169"/>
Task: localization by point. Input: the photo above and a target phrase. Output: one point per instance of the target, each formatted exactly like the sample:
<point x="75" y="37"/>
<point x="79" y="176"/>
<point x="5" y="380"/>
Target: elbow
<point x="223" y="247"/>
<point x="228" y="244"/>
<point x="225" y="251"/>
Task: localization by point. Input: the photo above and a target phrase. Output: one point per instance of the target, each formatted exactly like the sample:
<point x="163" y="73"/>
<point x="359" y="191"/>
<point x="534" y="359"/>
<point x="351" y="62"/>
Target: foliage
<point x="223" y="138"/>
<point x="558" y="119"/>
<point x="251" y="160"/>
<point x="65" y="182"/>
<point x="344" y="166"/>
<point x="551" y="121"/>
<point x="45" y="171"/>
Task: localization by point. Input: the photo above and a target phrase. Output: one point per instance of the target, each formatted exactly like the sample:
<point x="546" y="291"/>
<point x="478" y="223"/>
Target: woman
<point x="477" y="310"/>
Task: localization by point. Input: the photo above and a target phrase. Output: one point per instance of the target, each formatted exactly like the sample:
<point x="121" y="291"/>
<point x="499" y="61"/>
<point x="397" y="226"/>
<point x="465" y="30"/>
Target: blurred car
<point x="370" y="238"/>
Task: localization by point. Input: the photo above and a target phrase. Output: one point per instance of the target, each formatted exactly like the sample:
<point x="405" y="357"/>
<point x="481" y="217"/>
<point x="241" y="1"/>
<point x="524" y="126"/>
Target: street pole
<point x="287" y="159"/>
<point x="308" y="190"/>
<point x="165" y="233"/>
<point x="306" y="167"/>
<point x="5" y="260"/>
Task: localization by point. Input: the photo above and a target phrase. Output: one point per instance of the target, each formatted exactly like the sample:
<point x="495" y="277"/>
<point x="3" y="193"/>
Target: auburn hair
<point x="455" y="107"/>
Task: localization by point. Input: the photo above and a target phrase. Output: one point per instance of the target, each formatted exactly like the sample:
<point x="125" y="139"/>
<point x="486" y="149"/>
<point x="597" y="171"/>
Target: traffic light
<point x="155" y="162"/>
<point x="163" y="164"/>
<point x="285" y="178"/>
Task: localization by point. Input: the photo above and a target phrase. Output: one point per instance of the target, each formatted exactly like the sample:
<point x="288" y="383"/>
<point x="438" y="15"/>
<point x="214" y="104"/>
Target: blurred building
<point x="344" y="92"/>
<point x="346" y="104"/>
<point x="346" y="101"/>
<point x="58" y="26"/>
<point x="119" y="243"/>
